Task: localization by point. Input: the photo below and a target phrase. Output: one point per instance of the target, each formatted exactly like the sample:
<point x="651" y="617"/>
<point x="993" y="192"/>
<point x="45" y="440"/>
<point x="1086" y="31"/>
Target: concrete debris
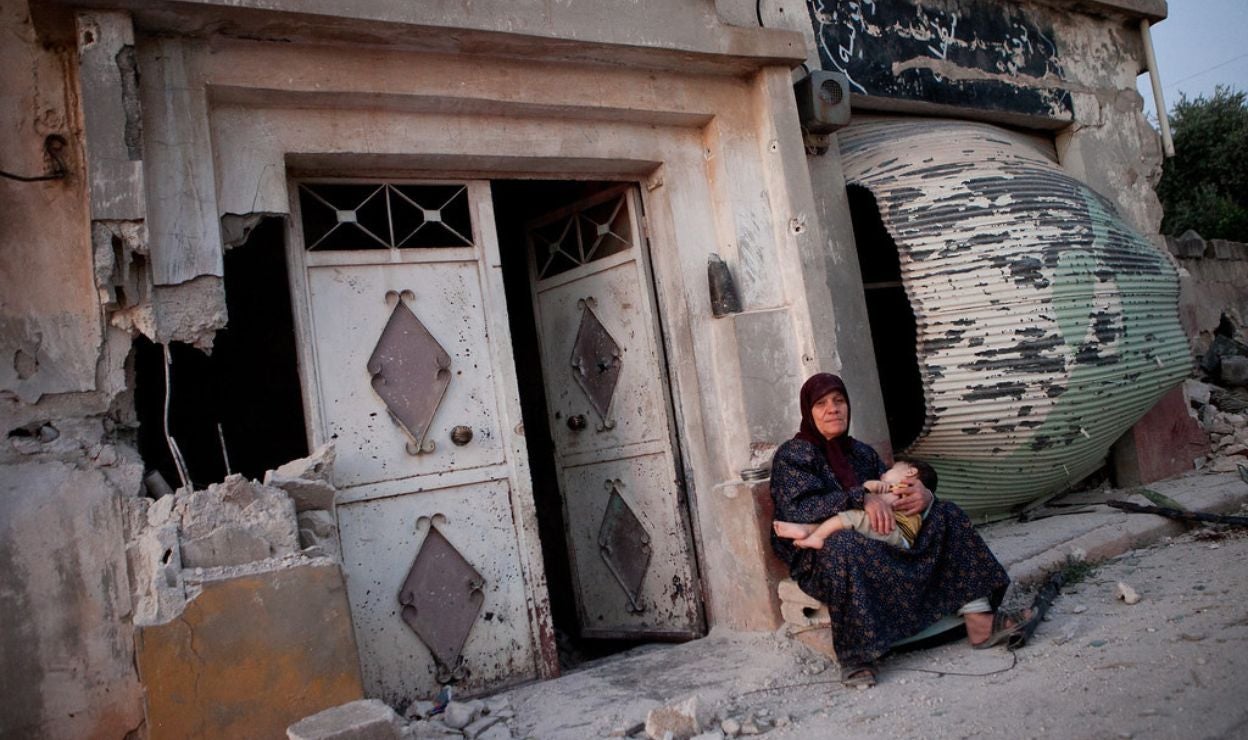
<point x="1125" y="593"/>
<point x="317" y="466"/>
<point x="157" y="589"/>
<point x="499" y="731"/>
<point x="458" y="715"/>
<point x="480" y="725"/>
<point x="366" y="719"/>
<point x="683" y="719"/>
<point x="730" y="727"/>
<point x="318" y="534"/>
<point x="307" y="494"/>
<point x="425" y="729"/>
<point x="1222" y="416"/>
<point x="234" y="522"/>
<point x="1235" y="372"/>
<point x="418" y="709"/>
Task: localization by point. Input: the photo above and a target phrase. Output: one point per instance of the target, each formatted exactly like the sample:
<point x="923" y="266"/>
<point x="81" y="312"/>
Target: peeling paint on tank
<point x="1066" y="320"/>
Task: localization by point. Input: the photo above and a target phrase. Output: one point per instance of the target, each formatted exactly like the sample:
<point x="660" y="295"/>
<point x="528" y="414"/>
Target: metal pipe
<point x="1150" y="62"/>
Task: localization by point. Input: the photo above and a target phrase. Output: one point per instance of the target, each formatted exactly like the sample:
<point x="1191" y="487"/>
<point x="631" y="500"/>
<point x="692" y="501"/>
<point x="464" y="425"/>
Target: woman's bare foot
<point x="983" y="628"/>
<point x="792" y="530"/>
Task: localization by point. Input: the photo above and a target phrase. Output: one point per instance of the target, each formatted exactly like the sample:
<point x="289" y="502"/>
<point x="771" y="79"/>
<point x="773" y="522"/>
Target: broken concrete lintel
<point x="236" y="228"/>
<point x="190" y="312"/>
<point x="185" y="233"/>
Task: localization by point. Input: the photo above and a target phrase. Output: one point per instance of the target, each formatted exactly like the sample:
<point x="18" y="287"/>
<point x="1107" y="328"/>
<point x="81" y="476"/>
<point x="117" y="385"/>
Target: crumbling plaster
<point x="50" y="323"/>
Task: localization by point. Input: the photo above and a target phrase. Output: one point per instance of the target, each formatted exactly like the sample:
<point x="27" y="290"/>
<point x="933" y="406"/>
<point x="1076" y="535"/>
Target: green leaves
<point x="1205" y="185"/>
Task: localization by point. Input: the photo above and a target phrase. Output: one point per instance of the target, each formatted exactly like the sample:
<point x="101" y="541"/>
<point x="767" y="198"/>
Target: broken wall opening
<point x="893" y="334"/>
<point x="242" y="402"/>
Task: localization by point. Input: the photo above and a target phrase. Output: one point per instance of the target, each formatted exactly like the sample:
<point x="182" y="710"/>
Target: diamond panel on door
<point x="410" y="372"/>
<point x="440" y="599"/>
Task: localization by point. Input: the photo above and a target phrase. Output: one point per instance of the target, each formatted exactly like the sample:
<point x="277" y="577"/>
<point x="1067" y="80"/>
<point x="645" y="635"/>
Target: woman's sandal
<point x="860" y="676"/>
<point x="1004" y="626"/>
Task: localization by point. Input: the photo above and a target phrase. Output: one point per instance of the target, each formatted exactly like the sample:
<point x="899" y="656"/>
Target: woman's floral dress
<point x="876" y="594"/>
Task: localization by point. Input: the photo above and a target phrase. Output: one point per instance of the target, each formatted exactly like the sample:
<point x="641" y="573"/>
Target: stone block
<point x="804" y="616"/>
<point x="317" y="466"/>
<point x="1164" y="443"/>
<point x="1234" y="372"/>
<point x="224" y="546"/>
<point x="790" y="592"/>
<point x="1227" y="250"/>
<point x="1189" y="245"/>
<point x="819" y="640"/>
<point x="251" y="655"/>
<point x="307" y="494"/>
<point x="679" y="721"/>
<point x="364" y="719"/>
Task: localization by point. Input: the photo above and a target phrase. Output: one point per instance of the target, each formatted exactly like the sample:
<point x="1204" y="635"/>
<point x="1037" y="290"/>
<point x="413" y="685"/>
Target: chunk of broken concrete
<point x="426" y="729"/>
<point x="317" y="466"/>
<point x="419" y="709"/>
<point x="682" y="719"/>
<point x="1234" y="373"/>
<point x="233" y="522"/>
<point x="1126" y="593"/>
<point x="318" y="533"/>
<point x="498" y="731"/>
<point x="365" y="719"/>
<point x="459" y="715"/>
<point x="479" y="726"/>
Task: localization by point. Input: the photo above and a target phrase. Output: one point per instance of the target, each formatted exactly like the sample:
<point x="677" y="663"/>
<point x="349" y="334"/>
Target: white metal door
<point x="627" y="531"/>
<point x="408" y="369"/>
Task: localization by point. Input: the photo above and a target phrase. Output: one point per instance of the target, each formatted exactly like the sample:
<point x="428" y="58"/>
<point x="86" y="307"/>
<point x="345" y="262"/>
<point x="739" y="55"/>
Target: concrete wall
<point x="66" y="651"/>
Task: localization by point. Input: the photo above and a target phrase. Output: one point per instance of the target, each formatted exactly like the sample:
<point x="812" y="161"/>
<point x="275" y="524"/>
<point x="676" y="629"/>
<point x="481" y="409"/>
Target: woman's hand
<point x="912" y="497"/>
<point x="879" y="513"/>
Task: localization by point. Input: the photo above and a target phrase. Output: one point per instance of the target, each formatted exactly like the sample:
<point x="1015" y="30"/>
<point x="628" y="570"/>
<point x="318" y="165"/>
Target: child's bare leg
<point x="793" y="530"/>
<point x="815" y="539"/>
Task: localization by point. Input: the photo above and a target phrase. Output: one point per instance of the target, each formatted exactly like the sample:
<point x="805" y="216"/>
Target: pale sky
<point x="1203" y="43"/>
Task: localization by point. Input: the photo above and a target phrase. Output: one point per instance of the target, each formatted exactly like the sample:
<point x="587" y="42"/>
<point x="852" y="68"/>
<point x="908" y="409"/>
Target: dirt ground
<point x="1173" y="665"/>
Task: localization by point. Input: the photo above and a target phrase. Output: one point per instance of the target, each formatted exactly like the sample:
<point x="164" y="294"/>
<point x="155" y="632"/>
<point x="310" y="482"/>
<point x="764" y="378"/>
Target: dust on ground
<point x="1173" y="665"/>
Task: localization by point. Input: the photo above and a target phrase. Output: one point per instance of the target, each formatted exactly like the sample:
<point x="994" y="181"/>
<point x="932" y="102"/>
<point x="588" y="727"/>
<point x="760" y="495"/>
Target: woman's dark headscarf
<point x="835" y="450"/>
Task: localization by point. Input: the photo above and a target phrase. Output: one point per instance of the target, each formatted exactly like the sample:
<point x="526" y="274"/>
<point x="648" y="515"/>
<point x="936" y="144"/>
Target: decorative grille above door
<point x="352" y="216"/>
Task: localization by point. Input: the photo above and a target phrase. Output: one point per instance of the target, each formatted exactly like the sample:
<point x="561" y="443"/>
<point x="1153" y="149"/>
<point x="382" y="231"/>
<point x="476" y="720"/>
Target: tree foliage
<point x="1204" y="186"/>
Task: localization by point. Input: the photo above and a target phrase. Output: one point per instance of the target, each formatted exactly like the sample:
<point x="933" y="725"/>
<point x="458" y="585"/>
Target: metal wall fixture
<point x="725" y="300"/>
<point x="1046" y="326"/>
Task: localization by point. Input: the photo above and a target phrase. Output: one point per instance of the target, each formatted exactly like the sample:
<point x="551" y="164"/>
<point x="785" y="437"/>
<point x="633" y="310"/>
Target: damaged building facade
<point x="410" y="303"/>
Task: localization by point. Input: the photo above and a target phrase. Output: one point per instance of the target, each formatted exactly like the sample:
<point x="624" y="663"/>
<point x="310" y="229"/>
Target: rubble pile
<point x="177" y="541"/>
<point x="1223" y="414"/>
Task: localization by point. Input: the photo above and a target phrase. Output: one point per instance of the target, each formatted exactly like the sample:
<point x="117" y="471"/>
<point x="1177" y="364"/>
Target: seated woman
<point x="876" y="593"/>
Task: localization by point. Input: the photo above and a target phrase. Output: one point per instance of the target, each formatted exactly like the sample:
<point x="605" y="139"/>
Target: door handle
<point x="576" y="422"/>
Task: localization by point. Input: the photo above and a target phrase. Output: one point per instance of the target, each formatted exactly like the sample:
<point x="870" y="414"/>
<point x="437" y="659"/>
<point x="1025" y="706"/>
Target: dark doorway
<point x="515" y="203"/>
<point x="242" y="402"/>
<point x="893" y="332"/>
